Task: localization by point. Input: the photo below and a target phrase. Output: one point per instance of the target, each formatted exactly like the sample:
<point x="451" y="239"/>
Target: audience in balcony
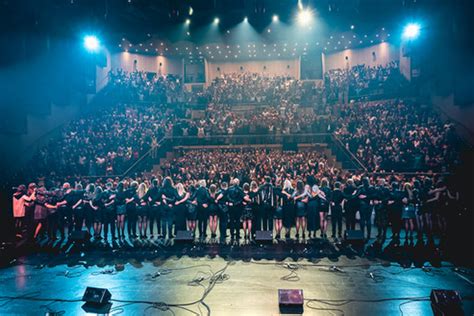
<point x="398" y="135"/>
<point x="362" y="80"/>
<point x="385" y="135"/>
<point x="104" y="142"/>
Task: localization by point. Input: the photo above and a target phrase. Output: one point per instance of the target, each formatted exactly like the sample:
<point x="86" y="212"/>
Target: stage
<point x="207" y="278"/>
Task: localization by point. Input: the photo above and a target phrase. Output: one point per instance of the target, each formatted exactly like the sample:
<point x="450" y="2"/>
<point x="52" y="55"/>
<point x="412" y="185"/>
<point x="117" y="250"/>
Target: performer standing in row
<point x="267" y="203"/>
<point x="288" y="207"/>
<point x="324" y="200"/>
<point x="222" y="202"/>
<point x="169" y="197"/>
<point x="20" y="198"/>
<point x="300" y="197"/>
<point x="337" y="198"/>
<point x="213" y="210"/>
<point x="202" y="199"/>
<point x="312" y="206"/>
<point x="181" y="211"/>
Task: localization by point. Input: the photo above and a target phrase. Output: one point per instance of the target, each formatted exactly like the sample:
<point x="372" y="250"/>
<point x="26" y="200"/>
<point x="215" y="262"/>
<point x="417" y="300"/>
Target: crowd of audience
<point x="224" y="120"/>
<point x="254" y="88"/>
<point x="397" y="135"/>
<point x="363" y="80"/>
<point x="245" y="164"/>
<point x="145" y="86"/>
<point x="107" y="141"/>
<point x="384" y="135"/>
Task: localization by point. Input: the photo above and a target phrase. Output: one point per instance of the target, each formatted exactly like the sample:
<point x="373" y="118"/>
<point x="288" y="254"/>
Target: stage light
<point x="216" y="21"/>
<point x="246" y="19"/>
<point x="411" y="31"/>
<point x="275" y="18"/>
<point x="91" y="43"/>
<point x="187" y="22"/>
<point x="305" y="16"/>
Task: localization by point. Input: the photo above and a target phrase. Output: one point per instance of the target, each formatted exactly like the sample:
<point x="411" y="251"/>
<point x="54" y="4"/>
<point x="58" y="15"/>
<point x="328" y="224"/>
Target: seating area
<point x="385" y="135"/>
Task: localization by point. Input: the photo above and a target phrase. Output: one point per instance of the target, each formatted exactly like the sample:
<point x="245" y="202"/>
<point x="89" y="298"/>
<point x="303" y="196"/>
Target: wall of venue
<point x="37" y="127"/>
<point x="159" y="64"/>
<point x="375" y="55"/>
<point x="137" y="62"/>
<point x="283" y="67"/>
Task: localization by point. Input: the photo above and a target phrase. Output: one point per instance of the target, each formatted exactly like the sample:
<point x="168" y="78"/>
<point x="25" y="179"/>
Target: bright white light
<point x="305" y="16"/>
<point x="187" y="22"/>
<point x="91" y="43"/>
<point x="411" y="31"/>
<point x="300" y="5"/>
<point x="275" y="18"/>
<point x="246" y="19"/>
<point x="216" y="20"/>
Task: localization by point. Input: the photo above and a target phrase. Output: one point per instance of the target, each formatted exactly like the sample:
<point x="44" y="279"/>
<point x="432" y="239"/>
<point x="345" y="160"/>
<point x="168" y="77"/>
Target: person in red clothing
<point x="20" y="198"/>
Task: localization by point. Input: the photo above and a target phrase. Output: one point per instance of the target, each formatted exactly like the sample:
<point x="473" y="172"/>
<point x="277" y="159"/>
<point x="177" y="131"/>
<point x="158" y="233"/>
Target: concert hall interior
<point x="236" y="157"/>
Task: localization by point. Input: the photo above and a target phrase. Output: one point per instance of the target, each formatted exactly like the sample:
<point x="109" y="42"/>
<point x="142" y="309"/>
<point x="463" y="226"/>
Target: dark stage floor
<point x="225" y="280"/>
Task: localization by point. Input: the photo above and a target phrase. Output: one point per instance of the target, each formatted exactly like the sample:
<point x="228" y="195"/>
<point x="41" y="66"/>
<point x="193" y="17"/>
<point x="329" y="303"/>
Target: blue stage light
<point x="411" y="31"/>
<point x="91" y="43"/>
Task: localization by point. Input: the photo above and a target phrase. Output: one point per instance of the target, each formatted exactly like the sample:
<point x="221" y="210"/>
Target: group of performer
<point x="159" y="208"/>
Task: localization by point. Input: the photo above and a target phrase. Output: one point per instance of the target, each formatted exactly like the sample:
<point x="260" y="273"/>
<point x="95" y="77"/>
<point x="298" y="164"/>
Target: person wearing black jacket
<point x="65" y="211"/>
<point x="98" y="212"/>
<point x="169" y="196"/>
<point x="235" y="198"/>
<point x="203" y="200"/>
<point x="337" y="197"/>
<point x="213" y="210"/>
<point x="382" y="195"/>
<point x="222" y="202"/>
<point x="153" y="198"/>
<point x="41" y="211"/>
<point x="142" y="209"/>
<point x="78" y="207"/>
<point x="121" y="208"/>
<point x="313" y="206"/>
<point x="132" y="202"/>
<point x="395" y="206"/>
<point x="53" y="202"/>
<point x="109" y="211"/>
<point x="88" y="210"/>
<point x="191" y="206"/>
<point x="365" y="194"/>
<point x="267" y="204"/>
<point x="324" y="200"/>
<point x="351" y="204"/>
<point x="181" y="209"/>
